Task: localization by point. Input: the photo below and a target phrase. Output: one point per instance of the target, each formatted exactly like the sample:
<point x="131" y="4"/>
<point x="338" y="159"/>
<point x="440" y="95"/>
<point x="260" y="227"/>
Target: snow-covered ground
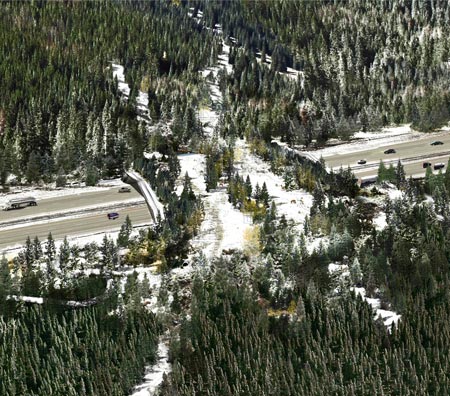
<point x="335" y="268"/>
<point x="142" y="106"/>
<point x="119" y="73"/>
<point x="154" y="374"/>
<point x="198" y="17"/>
<point x="34" y="300"/>
<point x="124" y="88"/>
<point x="223" y="226"/>
<point x="384" y="133"/>
<point x="313" y="243"/>
<point x="294" y="204"/>
<point x="391" y="191"/>
<point x="379" y="221"/>
<point x="290" y="72"/>
<point x="341" y="273"/>
<point x="209" y="116"/>
<point x="368" y="140"/>
<point x="388" y="317"/>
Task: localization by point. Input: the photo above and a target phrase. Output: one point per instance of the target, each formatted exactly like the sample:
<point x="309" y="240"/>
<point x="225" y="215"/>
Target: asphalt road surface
<point x="68" y="202"/>
<point x="83" y="225"/>
<point x="414" y="169"/>
<point x="417" y="148"/>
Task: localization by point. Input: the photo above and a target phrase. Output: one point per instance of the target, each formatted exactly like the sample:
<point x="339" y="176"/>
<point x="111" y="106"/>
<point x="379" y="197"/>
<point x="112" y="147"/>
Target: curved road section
<point x="135" y="180"/>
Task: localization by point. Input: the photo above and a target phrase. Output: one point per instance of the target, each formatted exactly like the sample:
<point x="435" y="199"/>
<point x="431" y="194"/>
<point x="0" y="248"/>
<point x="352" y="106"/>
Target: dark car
<point x="361" y="162"/>
<point x="426" y="164"/>
<point x="390" y="151"/>
<point x="436" y="143"/>
<point x="113" y="216"/>
<point x="439" y="165"/>
<point x="124" y="189"/>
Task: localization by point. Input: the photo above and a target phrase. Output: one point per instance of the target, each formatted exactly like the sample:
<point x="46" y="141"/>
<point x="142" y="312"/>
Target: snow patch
<point x="334" y="268"/>
<point x="294" y="204"/>
<point x="119" y="73"/>
<point x="155" y="154"/>
<point x="384" y="133"/>
<point x="372" y="140"/>
<point x="154" y="374"/>
<point x="389" y="317"/>
<point x="209" y="116"/>
<point x="379" y="221"/>
<point x="314" y="243"/>
<point x="33" y="300"/>
<point x="223" y="226"/>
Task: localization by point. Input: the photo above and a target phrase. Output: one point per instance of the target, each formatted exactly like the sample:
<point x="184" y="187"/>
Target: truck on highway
<point x="18" y="203"/>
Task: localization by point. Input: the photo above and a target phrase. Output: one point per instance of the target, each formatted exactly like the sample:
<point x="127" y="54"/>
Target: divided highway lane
<point x="84" y="225"/>
<point x="421" y="147"/>
<point x="411" y="169"/>
<point x="68" y="202"/>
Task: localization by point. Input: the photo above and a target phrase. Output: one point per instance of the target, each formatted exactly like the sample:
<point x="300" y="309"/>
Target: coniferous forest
<point x="301" y="309"/>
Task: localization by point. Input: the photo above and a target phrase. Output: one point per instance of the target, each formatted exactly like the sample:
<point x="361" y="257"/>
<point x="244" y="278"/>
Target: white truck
<point x="18" y="203"/>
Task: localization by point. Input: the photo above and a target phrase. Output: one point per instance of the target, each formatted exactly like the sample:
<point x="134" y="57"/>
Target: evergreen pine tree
<point x="400" y="177"/>
<point x="37" y="248"/>
<point x="33" y="172"/>
<point x="61" y="178"/>
<point x="382" y="172"/>
<point x="5" y="281"/>
<point x="248" y="186"/>
<point x="28" y="254"/>
<point x="125" y="232"/>
<point x="64" y="255"/>
<point x="264" y="195"/>
<point x="50" y="249"/>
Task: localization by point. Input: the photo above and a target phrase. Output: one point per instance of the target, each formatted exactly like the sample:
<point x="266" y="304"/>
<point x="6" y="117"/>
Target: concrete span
<point x="136" y="181"/>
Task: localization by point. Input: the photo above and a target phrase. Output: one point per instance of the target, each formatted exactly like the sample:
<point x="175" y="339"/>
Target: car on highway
<point x="389" y="151"/>
<point x="426" y="164"/>
<point x="436" y="143"/>
<point x="124" y="189"/>
<point x="361" y="162"/>
<point x="439" y="165"/>
<point x="113" y="216"/>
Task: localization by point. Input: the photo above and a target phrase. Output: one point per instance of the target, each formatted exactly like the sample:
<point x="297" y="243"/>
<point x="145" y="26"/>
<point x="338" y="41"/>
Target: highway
<point x="68" y="202"/>
<point x="414" y="153"/>
<point x="79" y="224"/>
